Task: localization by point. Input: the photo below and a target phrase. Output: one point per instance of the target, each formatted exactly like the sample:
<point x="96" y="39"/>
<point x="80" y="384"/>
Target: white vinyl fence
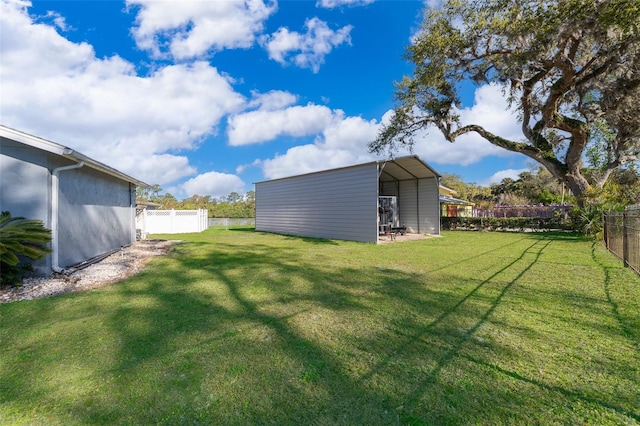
<point x="171" y="221"/>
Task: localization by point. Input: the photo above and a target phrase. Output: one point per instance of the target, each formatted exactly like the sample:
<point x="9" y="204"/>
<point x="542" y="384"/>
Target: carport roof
<point x="405" y="168"/>
<point x="391" y="170"/>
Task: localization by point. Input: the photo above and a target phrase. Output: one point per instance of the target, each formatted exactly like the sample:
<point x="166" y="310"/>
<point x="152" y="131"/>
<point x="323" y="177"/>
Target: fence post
<point x="625" y="239"/>
<point x="606" y="228"/>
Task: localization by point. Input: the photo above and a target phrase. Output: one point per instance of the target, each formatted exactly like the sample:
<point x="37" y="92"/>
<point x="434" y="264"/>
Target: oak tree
<point x="571" y="68"/>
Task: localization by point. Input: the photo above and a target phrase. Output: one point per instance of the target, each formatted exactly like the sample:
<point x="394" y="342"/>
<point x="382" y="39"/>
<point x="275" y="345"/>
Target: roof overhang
<point x="392" y="170"/>
<point x="405" y="168"/>
<point x="63" y="151"/>
<point x="450" y="200"/>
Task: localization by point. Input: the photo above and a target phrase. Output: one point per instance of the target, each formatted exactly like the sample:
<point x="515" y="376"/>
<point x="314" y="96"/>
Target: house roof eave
<point x="66" y="152"/>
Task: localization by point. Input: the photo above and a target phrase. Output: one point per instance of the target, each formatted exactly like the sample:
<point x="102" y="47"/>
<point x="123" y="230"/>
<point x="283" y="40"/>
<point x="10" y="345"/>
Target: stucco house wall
<point x="25" y="184"/>
<point x="92" y="207"/>
<point x="98" y="212"/>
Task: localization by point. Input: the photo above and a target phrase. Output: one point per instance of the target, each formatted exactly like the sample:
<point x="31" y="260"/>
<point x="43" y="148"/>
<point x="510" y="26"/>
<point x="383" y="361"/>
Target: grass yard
<point x="237" y="327"/>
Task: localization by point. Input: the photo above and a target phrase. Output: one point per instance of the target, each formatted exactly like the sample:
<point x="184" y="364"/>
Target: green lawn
<point x="239" y="327"/>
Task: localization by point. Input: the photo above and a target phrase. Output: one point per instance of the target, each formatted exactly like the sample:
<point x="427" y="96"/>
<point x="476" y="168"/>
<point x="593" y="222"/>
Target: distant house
<point x="89" y="206"/>
<point x="454" y="207"/>
<point x="357" y="203"/>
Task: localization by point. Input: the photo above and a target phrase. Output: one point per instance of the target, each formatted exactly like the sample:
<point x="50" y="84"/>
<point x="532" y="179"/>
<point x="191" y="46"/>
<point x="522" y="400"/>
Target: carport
<point x="414" y="185"/>
<point x="355" y="203"/>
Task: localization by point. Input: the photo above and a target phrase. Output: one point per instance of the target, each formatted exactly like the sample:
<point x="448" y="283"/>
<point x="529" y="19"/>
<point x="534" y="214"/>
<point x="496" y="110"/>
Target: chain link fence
<point x="622" y="235"/>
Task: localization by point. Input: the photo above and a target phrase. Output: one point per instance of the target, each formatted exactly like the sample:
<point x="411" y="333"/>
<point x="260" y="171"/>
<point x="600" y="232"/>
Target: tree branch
<point x="544" y="157"/>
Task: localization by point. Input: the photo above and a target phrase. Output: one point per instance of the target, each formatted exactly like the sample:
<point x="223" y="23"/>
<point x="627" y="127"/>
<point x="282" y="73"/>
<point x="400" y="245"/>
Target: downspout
<point x="132" y="207"/>
<point x="438" y="204"/>
<point x="54" y="213"/>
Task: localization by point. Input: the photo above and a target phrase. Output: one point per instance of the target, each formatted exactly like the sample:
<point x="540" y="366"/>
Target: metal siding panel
<point x="336" y="204"/>
<point x="407" y="205"/>
<point x="389" y="188"/>
<point x="419" y="206"/>
<point x="429" y="200"/>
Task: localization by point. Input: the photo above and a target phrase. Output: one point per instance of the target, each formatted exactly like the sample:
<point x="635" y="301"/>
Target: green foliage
<point x="568" y="66"/>
<point x="148" y="194"/>
<point x="506" y="223"/>
<point x="233" y="205"/>
<point x="589" y="220"/>
<point x="621" y="190"/>
<point x="533" y="187"/>
<point x="478" y="194"/>
<point x="20" y="238"/>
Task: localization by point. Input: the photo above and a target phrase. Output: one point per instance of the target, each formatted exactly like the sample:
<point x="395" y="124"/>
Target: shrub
<point x="506" y="223"/>
<point x="589" y="220"/>
<point x="20" y="238"/>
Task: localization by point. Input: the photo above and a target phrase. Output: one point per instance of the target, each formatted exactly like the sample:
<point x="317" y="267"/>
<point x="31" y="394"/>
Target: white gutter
<point x="54" y="213"/>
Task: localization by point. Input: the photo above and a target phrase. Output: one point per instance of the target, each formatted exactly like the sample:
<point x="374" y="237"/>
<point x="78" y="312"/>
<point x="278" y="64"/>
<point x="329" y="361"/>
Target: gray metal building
<point x="350" y="203"/>
<point x="89" y="206"/>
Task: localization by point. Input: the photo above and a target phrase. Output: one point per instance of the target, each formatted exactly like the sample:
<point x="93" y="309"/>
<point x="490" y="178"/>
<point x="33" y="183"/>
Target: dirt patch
<point x="385" y="239"/>
<point x="112" y="269"/>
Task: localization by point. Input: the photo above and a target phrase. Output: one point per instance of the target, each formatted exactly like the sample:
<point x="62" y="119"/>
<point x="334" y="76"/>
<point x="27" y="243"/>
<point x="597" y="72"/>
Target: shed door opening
<point x="388" y="216"/>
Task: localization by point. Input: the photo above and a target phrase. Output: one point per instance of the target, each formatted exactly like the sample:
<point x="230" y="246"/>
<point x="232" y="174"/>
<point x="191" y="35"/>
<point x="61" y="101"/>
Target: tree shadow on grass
<point x="222" y="332"/>
<point x="458" y="343"/>
<point x="242" y="229"/>
<point x="631" y="329"/>
<point x="501" y="245"/>
<point x="250" y="317"/>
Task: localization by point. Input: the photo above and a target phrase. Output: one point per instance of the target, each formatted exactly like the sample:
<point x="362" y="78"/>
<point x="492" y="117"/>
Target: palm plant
<point x="20" y="238"/>
<point x="589" y="220"/>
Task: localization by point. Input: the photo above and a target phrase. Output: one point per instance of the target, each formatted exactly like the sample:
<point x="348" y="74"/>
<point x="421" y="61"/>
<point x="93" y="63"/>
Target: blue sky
<point x="208" y="97"/>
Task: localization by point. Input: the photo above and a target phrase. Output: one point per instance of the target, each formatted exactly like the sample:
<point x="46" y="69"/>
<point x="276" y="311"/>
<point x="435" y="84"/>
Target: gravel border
<point x="112" y="269"/>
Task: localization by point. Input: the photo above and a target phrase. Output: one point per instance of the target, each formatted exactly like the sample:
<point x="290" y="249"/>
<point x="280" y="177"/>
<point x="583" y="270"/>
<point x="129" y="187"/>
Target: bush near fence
<point x="529" y="211"/>
<point x="506" y="223"/>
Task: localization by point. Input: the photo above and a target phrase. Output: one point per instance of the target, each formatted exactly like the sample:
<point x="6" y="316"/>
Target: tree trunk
<point x="578" y="186"/>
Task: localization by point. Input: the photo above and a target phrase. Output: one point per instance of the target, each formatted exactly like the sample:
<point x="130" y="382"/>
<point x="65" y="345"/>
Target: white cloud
<point x="190" y="29"/>
<point x="497" y="177"/>
<point x="305" y="159"/>
<point x="59" y="90"/>
<point x="352" y="133"/>
<point x="58" y="20"/>
<point x="214" y="184"/>
<point x="491" y="110"/>
<point x="305" y="50"/>
<point x="273" y="100"/>
<point x="157" y="169"/>
<point x="342" y="143"/>
<point x="344" y="140"/>
<point x="330" y="4"/>
<point x="264" y="125"/>
<point x="242" y="167"/>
